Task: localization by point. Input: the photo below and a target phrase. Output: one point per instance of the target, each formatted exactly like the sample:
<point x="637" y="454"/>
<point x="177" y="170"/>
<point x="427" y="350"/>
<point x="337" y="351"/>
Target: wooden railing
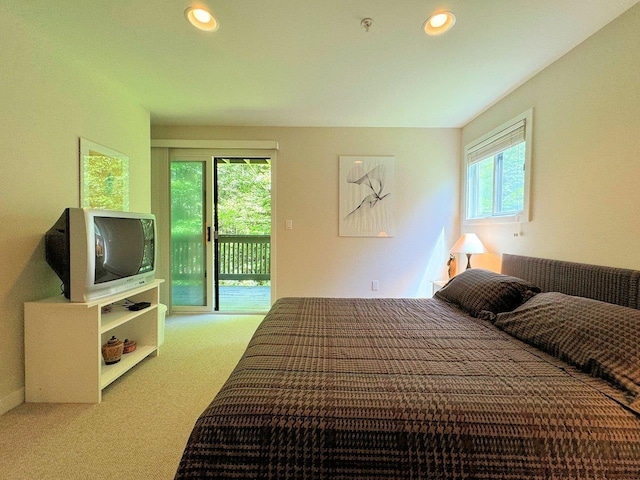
<point x="187" y="257"/>
<point x="244" y="257"/>
<point x="241" y="257"/>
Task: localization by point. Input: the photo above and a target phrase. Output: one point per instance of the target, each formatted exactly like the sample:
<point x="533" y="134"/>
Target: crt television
<point x="97" y="253"/>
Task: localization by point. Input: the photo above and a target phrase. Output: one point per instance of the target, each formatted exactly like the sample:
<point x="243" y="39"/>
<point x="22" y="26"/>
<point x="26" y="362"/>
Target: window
<point x="497" y="167"/>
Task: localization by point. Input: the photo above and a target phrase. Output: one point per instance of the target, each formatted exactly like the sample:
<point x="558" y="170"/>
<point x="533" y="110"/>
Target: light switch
<point x="288" y="224"/>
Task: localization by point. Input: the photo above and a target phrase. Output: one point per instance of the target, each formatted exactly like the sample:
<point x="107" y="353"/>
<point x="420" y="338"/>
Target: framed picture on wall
<point x="104" y="177"/>
<point x="367" y="196"/>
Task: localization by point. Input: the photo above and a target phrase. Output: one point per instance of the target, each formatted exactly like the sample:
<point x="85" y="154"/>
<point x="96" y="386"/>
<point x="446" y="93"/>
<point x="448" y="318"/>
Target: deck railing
<point x="244" y="257"/>
<point x="187" y="257"/>
<point x="241" y="257"/>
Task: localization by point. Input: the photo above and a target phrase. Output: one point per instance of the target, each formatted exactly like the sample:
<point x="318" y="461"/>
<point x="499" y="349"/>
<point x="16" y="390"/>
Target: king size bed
<point x="529" y="374"/>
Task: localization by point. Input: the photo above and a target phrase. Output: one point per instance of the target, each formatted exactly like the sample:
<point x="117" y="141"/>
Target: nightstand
<point x="437" y="285"/>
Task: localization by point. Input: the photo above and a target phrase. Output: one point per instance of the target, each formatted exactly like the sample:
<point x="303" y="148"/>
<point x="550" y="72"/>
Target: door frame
<point x="193" y="149"/>
<point x="179" y="156"/>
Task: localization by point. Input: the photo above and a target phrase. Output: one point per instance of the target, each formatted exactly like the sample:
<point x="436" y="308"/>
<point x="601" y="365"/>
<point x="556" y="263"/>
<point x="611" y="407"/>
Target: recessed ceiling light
<point x="201" y="18"/>
<point x="438" y="23"/>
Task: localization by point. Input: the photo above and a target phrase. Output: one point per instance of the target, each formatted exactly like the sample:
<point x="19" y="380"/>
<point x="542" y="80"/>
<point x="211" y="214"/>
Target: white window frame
<point x="522" y="216"/>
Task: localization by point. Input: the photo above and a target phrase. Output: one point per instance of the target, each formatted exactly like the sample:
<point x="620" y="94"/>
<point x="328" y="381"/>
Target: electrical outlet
<point x="375" y="286"/>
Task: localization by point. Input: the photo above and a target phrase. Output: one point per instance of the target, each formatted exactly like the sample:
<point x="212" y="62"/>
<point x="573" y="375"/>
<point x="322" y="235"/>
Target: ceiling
<point x="311" y="62"/>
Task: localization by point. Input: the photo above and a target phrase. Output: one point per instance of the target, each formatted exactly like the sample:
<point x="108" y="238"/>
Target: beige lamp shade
<point x="468" y="243"/>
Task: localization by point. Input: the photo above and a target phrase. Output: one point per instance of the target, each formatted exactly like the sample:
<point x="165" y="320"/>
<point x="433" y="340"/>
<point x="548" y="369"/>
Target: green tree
<point x="244" y="198"/>
<point x="187" y="185"/>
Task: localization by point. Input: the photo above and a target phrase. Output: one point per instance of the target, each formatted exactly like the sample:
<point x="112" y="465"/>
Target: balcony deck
<point x="245" y="299"/>
<point x="232" y="298"/>
<point x="240" y="257"/>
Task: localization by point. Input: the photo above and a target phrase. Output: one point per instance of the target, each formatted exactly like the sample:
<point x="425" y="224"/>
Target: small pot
<point x="112" y="351"/>
<point x="129" y="346"/>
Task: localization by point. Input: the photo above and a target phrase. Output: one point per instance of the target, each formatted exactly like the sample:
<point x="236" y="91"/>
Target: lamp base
<point x="468" y="261"/>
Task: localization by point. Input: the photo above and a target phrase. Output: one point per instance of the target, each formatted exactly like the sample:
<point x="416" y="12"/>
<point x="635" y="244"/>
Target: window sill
<point x="520" y="218"/>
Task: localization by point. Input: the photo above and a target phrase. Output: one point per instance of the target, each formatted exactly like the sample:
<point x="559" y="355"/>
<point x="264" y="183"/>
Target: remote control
<point x="139" y="306"/>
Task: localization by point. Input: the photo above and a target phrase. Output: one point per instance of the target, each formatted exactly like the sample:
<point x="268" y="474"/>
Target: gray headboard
<point x="609" y="284"/>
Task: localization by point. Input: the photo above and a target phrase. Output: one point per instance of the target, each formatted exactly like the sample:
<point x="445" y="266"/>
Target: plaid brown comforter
<point x="405" y="389"/>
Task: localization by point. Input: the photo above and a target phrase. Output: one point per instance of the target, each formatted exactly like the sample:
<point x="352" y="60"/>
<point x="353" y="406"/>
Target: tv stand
<point x="63" y="343"/>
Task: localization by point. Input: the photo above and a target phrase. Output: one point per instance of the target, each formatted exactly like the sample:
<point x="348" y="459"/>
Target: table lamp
<point x="468" y="243"/>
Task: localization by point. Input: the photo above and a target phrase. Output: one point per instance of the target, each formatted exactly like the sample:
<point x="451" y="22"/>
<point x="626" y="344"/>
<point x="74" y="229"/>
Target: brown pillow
<point x="477" y="290"/>
<point x="599" y="338"/>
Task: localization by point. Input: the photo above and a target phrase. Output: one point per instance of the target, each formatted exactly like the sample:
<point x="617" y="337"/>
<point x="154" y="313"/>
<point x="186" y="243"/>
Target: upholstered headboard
<point x="609" y="284"/>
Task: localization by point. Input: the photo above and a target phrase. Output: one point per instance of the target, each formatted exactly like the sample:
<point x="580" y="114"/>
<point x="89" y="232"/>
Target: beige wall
<point x="47" y="104"/>
<point x="312" y="259"/>
<point x="586" y="152"/>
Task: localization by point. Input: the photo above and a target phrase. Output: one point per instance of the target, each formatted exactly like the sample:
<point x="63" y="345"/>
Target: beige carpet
<point x="140" y="428"/>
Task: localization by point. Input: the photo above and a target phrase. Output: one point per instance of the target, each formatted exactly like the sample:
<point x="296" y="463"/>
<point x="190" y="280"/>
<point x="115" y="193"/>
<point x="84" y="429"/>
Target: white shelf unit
<point x="63" y="343"/>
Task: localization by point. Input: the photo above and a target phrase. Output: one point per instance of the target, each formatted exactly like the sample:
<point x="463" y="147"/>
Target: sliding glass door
<point x="191" y="246"/>
<point x="220" y="233"/>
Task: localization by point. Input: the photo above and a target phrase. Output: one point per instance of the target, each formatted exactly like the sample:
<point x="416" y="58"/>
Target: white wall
<point x="586" y="153"/>
<point x="47" y="104"/>
<point x="312" y="259"/>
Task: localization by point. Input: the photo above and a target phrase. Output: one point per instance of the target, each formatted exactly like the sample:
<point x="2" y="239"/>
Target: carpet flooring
<point x="140" y="428"/>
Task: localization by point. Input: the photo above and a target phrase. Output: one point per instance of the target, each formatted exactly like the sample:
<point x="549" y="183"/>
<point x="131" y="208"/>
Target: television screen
<point x="123" y="247"/>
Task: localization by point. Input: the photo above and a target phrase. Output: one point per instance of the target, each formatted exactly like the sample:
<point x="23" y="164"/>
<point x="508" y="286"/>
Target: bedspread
<point x="405" y="389"/>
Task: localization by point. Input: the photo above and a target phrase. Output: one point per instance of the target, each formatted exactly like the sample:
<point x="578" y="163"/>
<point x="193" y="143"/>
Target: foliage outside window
<point x="244" y="198"/>
<point x="244" y="208"/>
<point x="187" y="197"/>
<point x="497" y="173"/>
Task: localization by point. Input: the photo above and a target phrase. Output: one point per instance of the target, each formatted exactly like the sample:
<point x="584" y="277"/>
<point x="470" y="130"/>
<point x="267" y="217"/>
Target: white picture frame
<point x="367" y="196"/>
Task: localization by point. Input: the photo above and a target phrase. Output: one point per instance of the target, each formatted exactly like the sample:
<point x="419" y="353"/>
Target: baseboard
<point x="11" y="401"/>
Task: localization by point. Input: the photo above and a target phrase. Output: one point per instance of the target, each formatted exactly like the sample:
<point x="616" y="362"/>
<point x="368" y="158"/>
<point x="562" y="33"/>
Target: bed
<point x="533" y="373"/>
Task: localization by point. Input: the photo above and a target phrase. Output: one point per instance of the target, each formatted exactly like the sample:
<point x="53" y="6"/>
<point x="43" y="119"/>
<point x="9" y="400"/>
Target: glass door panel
<point x="190" y="289"/>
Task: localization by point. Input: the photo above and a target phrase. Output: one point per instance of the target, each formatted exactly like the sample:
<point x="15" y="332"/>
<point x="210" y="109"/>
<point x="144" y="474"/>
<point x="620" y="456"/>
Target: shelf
<point x="78" y="374"/>
<point x="120" y="315"/>
<point x="109" y="373"/>
<point x="123" y="295"/>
